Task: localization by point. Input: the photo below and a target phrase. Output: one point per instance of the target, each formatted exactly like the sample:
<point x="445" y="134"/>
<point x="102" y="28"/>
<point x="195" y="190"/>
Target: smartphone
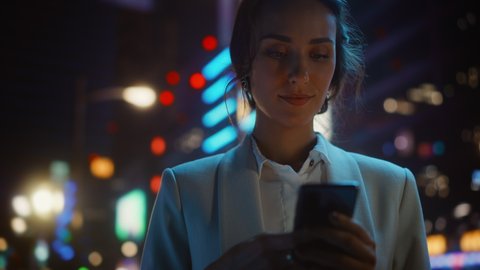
<point x="316" y="201"/>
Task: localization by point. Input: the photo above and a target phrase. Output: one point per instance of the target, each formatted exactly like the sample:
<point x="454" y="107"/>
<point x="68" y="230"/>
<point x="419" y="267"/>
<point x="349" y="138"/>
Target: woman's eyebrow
<point x="287" y="39"/>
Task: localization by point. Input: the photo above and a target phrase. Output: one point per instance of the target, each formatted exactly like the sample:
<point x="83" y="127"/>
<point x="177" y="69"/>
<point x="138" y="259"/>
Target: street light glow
<point x="21" y="206"/>
<point x="45" y="201"/>
<point x="140" y="96"/>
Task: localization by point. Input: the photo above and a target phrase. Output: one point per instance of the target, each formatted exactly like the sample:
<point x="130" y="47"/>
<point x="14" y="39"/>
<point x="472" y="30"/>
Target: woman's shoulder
<point x="198" y="166"/>
<point x="375" y="168"/>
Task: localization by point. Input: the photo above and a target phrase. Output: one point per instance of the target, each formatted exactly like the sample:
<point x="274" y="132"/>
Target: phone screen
<point x="316" y="201"/>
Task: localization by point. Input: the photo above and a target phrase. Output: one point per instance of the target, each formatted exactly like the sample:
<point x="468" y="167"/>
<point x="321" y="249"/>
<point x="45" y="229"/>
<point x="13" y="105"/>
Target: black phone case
<point x="316" y="201"/>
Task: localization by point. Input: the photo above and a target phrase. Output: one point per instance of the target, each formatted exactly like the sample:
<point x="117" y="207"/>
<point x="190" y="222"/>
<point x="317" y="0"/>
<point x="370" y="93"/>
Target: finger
<point x="344" y="222"/>
<point x="332" y="260"/>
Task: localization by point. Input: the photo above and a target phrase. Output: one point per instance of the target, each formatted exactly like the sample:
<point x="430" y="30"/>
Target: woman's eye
<point x="277" y="54"/>
<point x="319" y="56"/>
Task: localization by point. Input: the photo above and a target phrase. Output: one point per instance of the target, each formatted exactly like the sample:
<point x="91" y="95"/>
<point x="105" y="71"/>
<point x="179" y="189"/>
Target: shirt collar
<point x="317" y="154"/>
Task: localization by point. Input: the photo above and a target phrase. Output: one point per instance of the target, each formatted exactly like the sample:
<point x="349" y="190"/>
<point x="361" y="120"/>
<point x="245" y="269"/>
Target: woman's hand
<point x="344" y="245"/>
<point x="266" y="251"/>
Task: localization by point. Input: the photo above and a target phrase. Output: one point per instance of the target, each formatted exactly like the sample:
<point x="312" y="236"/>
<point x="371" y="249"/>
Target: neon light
<point x="219" y="140"/>
<point x="217" y="89"/>
<point x="217" y="65"/>
<point x="217" y="114"/>
<point x="455" y="260"/>
<point x="247" y="123"/>
<point x="131" y="214"/>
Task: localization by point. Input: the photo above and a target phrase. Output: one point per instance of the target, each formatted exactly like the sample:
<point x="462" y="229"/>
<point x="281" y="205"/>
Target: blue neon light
<point x="217" y="65"/>
<point x="217" y="89"/>
<point x="219" y="140"/>
<point x="219" y="113"/>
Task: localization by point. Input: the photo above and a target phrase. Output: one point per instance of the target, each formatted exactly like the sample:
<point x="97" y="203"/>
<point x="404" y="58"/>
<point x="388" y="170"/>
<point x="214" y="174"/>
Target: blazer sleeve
<point x="411" y="250"/>
<point x="166" y="244"/>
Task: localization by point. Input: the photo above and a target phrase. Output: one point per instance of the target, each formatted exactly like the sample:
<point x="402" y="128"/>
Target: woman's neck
<point x="289" y="146"/>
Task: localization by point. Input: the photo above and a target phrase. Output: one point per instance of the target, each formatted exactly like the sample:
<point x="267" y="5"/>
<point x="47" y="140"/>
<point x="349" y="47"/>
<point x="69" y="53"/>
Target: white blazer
<point x="209" y="205"/>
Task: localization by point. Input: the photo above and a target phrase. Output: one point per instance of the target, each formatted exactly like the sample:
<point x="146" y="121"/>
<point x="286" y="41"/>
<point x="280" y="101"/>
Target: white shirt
<point x="279" y="185"/>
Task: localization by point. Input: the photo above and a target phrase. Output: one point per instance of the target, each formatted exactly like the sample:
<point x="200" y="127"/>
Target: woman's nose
<point x="298" y="72"/>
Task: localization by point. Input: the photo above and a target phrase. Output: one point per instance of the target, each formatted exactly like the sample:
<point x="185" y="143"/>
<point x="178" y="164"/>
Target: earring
<point x="246" y="90"/>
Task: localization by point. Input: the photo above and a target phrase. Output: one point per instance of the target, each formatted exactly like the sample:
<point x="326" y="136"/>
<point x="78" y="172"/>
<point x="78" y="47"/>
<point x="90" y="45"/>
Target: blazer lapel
<point x="342" y="167"/>
<point x="239" y="200"/>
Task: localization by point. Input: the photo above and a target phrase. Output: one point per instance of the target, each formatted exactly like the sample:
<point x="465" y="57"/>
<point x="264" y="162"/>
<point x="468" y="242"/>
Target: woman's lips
<point x="296" y="100"/>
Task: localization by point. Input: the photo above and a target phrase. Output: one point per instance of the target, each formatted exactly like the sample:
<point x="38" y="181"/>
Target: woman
<point x="235" y="210"/>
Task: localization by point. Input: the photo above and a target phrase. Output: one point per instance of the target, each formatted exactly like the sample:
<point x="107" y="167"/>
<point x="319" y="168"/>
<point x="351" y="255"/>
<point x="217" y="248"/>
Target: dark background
<point x="52" y="51"/>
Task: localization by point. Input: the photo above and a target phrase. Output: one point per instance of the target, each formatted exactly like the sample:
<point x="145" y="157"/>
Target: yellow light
<point x="3" y="244"/>
<point x="21" y="206"/>
<point x="390" y="105"/>
<point x="129" y="249"/>
<point x="470" y="241"/>
<point x="42" y="201"/>
<point x="95" y="258"/>
<point x="437" y="244"/>
<point x="102" y="167"/>
<point x="19" y="226"/>
<point x="77" y="220"/>
<point x="140" y="96"/>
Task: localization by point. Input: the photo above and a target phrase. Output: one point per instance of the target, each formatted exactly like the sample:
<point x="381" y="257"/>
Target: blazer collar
<point x="239" y="200"/>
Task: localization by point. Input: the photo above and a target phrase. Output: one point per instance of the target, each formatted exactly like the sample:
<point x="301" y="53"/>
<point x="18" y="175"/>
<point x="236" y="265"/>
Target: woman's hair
<point x="349" y="68"/>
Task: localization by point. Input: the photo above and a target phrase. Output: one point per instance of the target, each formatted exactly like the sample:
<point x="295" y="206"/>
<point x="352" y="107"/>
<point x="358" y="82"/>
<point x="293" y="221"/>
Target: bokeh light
<point x="209" y="43"/>
<point x="166" y="98"/>
<point x="437" y="244"/>
<point x="172" y="78"/>
<point x="158" y="145"/>
<point x="95" y="258"/>
<point x="140" y="96"/>
<point x="156" y="183"/>
<point x="197" y="81"/>
<point x="41" y="251"/>
<point x="21" y="206"/>
<point x="102" y="167"/>
<point x="3" y="244"/>
<point x="129" y="249"/>
<point x="18" y="224"/>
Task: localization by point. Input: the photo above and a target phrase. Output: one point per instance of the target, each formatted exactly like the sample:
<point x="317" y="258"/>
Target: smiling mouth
<point x="296" y="100"/>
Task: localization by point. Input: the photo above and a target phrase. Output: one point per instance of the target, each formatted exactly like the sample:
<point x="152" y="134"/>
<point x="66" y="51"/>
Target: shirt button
<point x="311" y="163"/>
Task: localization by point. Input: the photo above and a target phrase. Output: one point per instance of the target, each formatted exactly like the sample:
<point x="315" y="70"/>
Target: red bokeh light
<point x="425" y="150"/>
<point x="112" y="127"/>
<point x="209" y="43"/>
<point x="166" y="98"/>
<point x="173" y="77"/>
<point x="156" y="183"/>
<point x="158" y="145"/>
<point x="197" y="81"/>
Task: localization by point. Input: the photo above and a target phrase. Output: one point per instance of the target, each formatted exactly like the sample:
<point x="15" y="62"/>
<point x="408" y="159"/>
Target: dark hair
<point x="349" y="68"/>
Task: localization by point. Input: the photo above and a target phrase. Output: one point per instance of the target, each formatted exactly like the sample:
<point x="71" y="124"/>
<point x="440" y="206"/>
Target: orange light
<point x="158" y="146"/>
<point x="173" y="77"/>
<point x="156" y="183"/>
<point x="209" y="43"/>
<point x="470" y="241"/>
<point x="166" y="98"/>
<point x="197" y="81"/>
<point x="437" y="244"/>
<point x="102" y="167"/>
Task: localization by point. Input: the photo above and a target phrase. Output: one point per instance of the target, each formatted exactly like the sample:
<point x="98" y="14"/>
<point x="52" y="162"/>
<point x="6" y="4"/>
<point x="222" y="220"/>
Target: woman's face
<point x="295" y="62"/>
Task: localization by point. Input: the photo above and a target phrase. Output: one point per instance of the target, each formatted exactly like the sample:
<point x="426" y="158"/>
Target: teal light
<point x="217" y="65"/>
<point x="215" y="91"/>
<point x="131" y="216"/>
<point x="219" y="140"/>
<point x="219" y="113"/>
